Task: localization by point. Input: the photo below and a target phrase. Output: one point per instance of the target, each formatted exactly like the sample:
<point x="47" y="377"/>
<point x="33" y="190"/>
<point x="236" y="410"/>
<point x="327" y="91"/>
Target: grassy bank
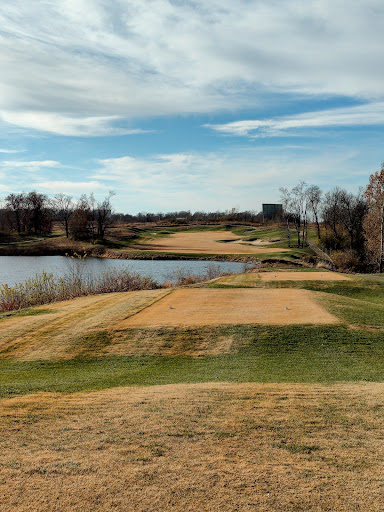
<point x="257" y="354"/>
<point x="53" y="355"/>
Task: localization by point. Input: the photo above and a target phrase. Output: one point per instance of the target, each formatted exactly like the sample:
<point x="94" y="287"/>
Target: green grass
<point x="25" y="312"/>
<point x="263" y="354"/>
<point x="352" y="351"/>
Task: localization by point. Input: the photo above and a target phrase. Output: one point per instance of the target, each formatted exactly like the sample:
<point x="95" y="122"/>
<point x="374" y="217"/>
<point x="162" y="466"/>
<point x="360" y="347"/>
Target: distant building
<point x="272" y="211"/>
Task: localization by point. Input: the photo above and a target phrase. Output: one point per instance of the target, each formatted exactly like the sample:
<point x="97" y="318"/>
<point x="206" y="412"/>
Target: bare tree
<point x="63" y="207"/>
<point x="331" y="215"/>
<point x="80" y="223"/>
<point x="353" y="208"/>
<point x="295" y="205"/>
<point x="38" y="215"/>
<point x="374" y="221"/>
<point x="286" y="203"/>
<point x="314" y="201"/>
<point x="103" y="215"/>
<point x="15" y="204"/>
<point x="90" y="218"/>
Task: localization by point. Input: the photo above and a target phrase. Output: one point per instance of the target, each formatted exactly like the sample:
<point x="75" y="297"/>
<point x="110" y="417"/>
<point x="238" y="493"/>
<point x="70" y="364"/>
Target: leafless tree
<point x="374" y="221"/>
<point x="15" y="204"/>
<point x="63" y="207"/>
<point x="295" y="206"/>
<point x="314" y="201"/>
<point x="103" y="215"/>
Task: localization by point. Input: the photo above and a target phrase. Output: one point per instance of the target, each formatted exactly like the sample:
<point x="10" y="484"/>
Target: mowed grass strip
<point x="325" y="354"/>
<point x="205" y="447"/>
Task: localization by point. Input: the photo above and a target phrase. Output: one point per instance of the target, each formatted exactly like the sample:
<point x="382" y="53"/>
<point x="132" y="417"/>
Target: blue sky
<point x="200" y="105"/>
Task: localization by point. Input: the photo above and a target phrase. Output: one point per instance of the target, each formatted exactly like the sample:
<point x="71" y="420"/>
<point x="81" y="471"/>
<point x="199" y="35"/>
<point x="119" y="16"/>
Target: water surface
<point x="14" y="269"/>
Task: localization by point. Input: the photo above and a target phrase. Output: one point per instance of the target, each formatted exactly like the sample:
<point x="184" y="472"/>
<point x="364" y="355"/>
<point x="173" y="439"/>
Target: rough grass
<point x="208" y="447"/>
<point x="178" y="437"/>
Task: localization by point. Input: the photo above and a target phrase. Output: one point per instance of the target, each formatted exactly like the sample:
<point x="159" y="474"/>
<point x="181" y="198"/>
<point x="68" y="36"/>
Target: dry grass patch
<point x="209" y="242"/>
<point x="253" y="278"/>
<point x="206" y="447"/>
<point x="51" y="335"/>
<point x="197" y="307"/>
<point x="301" y="276"/>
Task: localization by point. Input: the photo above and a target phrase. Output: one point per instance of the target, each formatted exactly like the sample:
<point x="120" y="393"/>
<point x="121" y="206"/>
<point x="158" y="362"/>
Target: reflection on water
<point x="15" y="269"/>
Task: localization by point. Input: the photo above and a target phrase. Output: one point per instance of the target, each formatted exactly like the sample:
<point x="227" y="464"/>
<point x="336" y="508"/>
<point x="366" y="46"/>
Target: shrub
<point x="348" y="261"/>
<point x="46" y="288"/>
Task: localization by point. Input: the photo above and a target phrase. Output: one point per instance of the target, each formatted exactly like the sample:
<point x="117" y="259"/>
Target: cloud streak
<point x="36" y="164"/>
<point x="364" y="115"/>
<point x="11" y="151"/>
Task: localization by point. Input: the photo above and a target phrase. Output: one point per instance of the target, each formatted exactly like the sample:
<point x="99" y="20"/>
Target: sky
<point x="189" y="104"/>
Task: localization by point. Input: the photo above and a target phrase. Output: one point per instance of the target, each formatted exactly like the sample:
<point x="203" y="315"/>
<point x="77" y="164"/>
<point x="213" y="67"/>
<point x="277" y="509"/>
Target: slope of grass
<point x="353" y="351"/>
<point x="259" y="354"/>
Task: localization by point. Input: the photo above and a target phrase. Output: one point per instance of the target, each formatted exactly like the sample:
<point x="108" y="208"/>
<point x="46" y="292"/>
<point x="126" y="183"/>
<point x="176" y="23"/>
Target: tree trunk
<point x="289" y="234"/>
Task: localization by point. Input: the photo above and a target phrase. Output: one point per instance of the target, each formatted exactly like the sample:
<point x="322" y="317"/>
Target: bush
<point x="46" y="288"/>
<point x="348" y="261"/>
<point x="183" y="277"/>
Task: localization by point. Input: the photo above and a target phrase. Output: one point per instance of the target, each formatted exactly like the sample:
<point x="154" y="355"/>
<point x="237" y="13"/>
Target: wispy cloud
<point x="66" y="125"/>
<point x="90" y="63"/>
<point x="364" y="115"/>
<point x="11" y="151"/>
<point x="36" y="164"/>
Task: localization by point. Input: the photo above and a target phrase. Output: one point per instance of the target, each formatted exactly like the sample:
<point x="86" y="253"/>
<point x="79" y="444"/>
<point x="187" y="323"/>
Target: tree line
<point x="351" y="226"/>
<point x="34" y="213"/>
<point x="182" y="216"/>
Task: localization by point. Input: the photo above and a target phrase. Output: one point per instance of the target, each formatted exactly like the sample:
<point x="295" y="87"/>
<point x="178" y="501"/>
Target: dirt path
<point x="197" y="307"/>
<point x="208" y="242"/>
<point x="51" y="334"/>
<point x="187" y="448"/>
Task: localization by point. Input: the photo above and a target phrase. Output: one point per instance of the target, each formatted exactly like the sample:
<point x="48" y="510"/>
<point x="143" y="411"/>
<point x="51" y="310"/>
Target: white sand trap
<point x="301" y="276"/>
<point x="196" y="307"/>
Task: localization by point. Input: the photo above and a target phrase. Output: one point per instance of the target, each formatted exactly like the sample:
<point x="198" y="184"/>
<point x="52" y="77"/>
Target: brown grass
<point x="302" y="276"/>
<point x="205" y="242"/>
<point x="206" y="447"/>
<point x="253" y="278"/>
<point x="198" y="307"/>
<point x="55" y="334"/>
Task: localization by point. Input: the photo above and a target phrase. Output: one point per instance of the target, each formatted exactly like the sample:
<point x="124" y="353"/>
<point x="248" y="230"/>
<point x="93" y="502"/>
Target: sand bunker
<point x="301" y="276"/>
<point x="206" y="242"/>
<point x="196" y="307"/>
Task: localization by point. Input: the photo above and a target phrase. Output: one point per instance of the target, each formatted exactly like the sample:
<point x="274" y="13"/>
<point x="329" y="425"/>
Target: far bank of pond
<point x="15" y="269"/>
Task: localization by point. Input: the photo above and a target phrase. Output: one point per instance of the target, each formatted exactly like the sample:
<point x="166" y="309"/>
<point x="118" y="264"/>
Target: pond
<point x="15" y="269"/>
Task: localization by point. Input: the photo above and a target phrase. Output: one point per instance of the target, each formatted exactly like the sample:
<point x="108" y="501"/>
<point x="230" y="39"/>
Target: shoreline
<point x="105" y="253"/>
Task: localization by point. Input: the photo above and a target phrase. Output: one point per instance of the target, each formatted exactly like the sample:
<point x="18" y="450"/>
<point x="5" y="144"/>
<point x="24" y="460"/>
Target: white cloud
<point x="197" y="181"/>
<point x="32" y="165"/>
<point x="65" y="125"/>
<point x="362" y="115"/>
<point x="217" y="181"/>
<point x="11" y="151"/>
<point x="74" y="67"/>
